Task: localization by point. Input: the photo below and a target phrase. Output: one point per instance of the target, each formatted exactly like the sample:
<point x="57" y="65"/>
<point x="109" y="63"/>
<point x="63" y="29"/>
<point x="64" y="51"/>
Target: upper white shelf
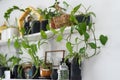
<point x="37" y="36"/>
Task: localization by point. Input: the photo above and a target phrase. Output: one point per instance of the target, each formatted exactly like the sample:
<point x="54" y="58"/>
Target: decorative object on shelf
<point x="27" y="25"/>
<point x="9" y="11"/>
<point x="52" y="52"/>
<point x="9" y="33"/>
<point x="54" y="74"/>
<point x="60" y="21"/>
<point x="63" y="72"/>
<point x="45" y="69"/>
<point x="75" y="69"/>
<point x="18" y="72"/>
<point x="3" y="64"/>
<point x="25" y="14"/>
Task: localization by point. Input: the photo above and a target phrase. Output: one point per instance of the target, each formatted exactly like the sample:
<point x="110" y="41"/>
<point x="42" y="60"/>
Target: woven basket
<point x="60" y="21"/>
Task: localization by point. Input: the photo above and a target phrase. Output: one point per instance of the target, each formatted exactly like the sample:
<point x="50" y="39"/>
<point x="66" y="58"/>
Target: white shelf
<point x="37" y="36"/>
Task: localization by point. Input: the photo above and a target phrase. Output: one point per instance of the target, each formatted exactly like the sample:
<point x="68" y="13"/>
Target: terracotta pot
<point x="45" y="72"/>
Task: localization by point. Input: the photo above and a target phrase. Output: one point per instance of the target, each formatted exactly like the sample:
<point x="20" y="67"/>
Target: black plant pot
<point x="83" y="18"/>
<point x="43" y="25"/>
<point x="18" y="72"/>
<point x="75" y="70"/>
<point x="27" y="28"/>
<point x="54" y="74"/>
<point x="2" y="69"/>
<point x="35" y="26"/>
<point x="35" y="72"/>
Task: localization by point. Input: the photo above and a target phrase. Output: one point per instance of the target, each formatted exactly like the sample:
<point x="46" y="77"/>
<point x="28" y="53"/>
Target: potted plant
<point x="24" y="45"/>
<point x="85" y="44"/>
<point x="11" y="30"/>
<point x="3" y="64"/>
<point x="45" y="69"/>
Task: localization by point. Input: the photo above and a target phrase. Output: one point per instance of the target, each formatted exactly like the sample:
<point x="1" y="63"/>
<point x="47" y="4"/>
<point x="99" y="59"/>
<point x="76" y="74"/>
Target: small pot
<point x="45" y="72"/>
<point x="7" y="74"/>
<point x="18" y="72"/>
<point x="82" y="18"/>
<point x="43" y="25"/>
<point x="9" y="33"/>
<point x="2" y="69"/>
<point x="35" y="26"/>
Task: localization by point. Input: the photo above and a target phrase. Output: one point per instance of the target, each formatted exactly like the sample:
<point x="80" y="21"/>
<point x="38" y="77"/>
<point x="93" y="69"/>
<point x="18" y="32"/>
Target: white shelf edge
<point x="37" y="36"/>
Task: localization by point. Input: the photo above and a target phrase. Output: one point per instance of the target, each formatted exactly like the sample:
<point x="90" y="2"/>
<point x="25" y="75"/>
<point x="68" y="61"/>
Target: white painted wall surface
<point x="106" y="65"/>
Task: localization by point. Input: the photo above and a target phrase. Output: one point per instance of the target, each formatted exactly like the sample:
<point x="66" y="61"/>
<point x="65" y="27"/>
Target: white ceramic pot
<point x="7" y="74"/>
<point x="9" y="33"/>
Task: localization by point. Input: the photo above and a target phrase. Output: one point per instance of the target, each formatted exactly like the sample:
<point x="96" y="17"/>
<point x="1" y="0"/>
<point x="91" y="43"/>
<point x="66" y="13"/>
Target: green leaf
<point x="75" y="9"/>
<point x="48" y="27"/>
<point x="86" y="36"/>
<point x="24" y="44"/>
<point x="14" y="60"/>
<point x="59" y="38"/>
<point x="92" y="45"/>
<point x="17" y="44"/>
<point x="34" y="48"/>
<point x="43" y="34"/>
<point x="69" y="47"/>
<point x="15" y="7"/>
<point x="82" y="50"/>
<point x="90" y="25"/>
<point x="65" y="3"/>
<point x="81" y="28"/>
<point x="103" y="39"/>
<point x="73" y="19"/>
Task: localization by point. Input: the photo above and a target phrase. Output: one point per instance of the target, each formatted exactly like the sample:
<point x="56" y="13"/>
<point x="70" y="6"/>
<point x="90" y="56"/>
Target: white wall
<point x="106" y="65"/>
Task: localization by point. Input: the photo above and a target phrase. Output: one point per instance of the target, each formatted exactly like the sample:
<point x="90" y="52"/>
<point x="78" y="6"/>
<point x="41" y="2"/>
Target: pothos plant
<point x="9" y="11"/>
<point x="23" y="45"/>
<point x="85" y="45"/>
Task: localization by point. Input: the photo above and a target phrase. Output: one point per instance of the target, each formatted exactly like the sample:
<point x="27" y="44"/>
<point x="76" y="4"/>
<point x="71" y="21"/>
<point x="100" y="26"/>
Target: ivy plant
<point x="86" y="41"/>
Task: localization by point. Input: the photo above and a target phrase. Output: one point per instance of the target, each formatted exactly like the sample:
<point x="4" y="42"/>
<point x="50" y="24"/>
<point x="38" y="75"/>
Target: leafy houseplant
<point x="45" y="69"/>
<point x="85" y="45"/>
<point x="3" y="64"/>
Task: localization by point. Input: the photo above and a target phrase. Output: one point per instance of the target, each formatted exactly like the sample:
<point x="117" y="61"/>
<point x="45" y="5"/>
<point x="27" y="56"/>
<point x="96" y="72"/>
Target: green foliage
<point x="10" y="10"/>
<point x="59" y="38"/>
<point x="75" y="9"/>
<point x="69" y="47"/>
<point x="43" y="34"/>
<point x="14" y="60"/>
<point x="93" y="45"/>
<point x="3" y="60"/>
<point x="103" y="39"/>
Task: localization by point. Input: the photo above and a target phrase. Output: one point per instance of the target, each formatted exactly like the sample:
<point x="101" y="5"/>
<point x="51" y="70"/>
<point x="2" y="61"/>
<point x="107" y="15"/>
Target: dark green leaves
<point x="75" y="9"/>
<point x="10" y="10"/>
<point x="14" y="60"/>
<point x="82" y="50"/>
<point x="103" y="39"/>
<point x="69" y="47"/>
<point x="65" y="3"/>
<point x="92" y="45"/>
<point x="81" y="28"/>
<point x="86" y="36"/>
